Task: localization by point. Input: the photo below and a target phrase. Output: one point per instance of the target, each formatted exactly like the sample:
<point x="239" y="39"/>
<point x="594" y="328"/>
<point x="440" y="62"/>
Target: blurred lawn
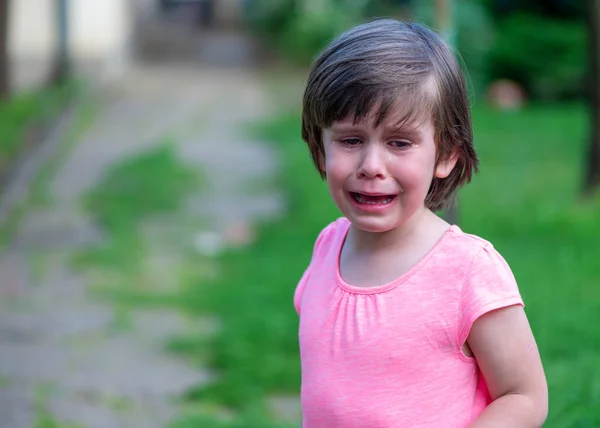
<point x="24" y="114"/>
<point x="149" y="184"/>
<point x="525" y="200"/>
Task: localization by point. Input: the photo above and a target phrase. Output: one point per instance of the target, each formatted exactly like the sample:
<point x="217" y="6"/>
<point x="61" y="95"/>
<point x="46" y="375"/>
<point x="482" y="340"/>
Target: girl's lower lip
<point x="372" y="208"/>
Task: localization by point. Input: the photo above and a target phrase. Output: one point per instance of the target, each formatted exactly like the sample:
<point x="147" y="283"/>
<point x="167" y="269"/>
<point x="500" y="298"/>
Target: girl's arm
<point x="507" y="354"/>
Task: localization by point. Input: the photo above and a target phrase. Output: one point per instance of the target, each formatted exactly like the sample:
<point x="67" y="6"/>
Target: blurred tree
<point x="445" y="26"/>
<point x="298" y="29"/>
<point x="592" y="182"/>
<point x="443" y="20"/>
<point x="551" y="65"/>
<point x="471" y="35"/>
<point x="4" y="60"/>
<point x="61" y="68"/>
<point x="560" y="9"/>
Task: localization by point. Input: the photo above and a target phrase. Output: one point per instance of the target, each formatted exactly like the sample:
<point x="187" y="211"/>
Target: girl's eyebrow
<point x="403" y="130"/>
<point x="342" y="127"/>
<point x="406" y="131"/>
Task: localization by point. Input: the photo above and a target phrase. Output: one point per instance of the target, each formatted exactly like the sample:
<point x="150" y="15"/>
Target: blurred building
<point x="107" y="36"/>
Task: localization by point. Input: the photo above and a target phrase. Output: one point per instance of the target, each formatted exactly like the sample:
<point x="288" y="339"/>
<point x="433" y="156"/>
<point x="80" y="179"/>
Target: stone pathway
<point x="59" y="355"/>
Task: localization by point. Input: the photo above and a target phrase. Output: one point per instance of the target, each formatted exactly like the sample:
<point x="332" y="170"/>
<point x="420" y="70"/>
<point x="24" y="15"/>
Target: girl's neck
<point x="418" y="227"/>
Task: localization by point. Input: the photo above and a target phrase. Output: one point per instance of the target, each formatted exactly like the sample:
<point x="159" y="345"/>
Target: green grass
<point x="154" y="182"/>
<point x="24" y="120"/>
<point x="525" y="200"/>
<point x="84" y="116"/>
<point x="146" y="185"/>
<point x="44" y="418"/>
<point x="21" y="115"/>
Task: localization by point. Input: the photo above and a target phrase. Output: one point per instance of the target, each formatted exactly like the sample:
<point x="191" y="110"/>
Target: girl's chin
<point x="374" y="225"/>
<point x="381" y="223"/>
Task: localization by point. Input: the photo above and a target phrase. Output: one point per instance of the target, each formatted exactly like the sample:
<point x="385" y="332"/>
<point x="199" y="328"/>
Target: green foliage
<point x="310" y="31"/>
<point x="299" y="29"/>
<point x="547" y="56"/>
<point x="270" y="17"/>
<point x="472" y="36"/>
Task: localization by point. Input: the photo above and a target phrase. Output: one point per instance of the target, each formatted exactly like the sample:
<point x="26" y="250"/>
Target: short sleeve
<point x="300" y="289"/>
<point x="304" y="279"/>
<point x="489" y="285"/>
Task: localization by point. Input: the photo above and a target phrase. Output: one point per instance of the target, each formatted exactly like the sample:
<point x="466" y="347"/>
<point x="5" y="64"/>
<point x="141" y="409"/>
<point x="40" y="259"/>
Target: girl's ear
<point x="445" y="167"/>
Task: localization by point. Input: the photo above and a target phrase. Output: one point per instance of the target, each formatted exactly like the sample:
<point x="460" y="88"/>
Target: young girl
<point x="405" y="320"/>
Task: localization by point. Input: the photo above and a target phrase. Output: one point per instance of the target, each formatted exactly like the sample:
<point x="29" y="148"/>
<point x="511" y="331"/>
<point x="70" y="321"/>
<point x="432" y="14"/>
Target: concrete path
<point x="60" y="356"/>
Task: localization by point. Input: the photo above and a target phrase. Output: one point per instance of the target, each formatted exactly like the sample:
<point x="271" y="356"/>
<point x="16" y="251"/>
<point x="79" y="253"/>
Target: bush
<point x="547" y="56"/>
<point x="544" y="54"/>
<point x="298" y="30"/>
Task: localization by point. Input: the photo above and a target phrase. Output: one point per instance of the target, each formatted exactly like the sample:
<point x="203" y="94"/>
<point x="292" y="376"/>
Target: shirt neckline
<point x="394" y="283"/>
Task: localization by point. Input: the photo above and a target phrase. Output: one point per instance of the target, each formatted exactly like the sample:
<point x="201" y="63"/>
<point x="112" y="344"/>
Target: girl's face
<point x="379" y="176"/>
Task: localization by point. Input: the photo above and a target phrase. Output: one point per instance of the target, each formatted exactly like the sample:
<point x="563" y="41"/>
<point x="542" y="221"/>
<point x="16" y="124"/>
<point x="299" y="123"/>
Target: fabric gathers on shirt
<point x="391" y="355"/>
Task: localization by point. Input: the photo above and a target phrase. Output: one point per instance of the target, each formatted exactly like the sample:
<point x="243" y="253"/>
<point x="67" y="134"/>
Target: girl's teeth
<point x="359" y="198"/>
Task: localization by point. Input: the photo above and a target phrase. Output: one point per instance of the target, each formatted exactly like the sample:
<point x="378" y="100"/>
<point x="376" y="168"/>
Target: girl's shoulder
<point x="467" y="246"/>
<point x="323" y="253"/>
<point x="471" y="260"/>
<point x="477" y="262"/>
<point x="334" y="231"/>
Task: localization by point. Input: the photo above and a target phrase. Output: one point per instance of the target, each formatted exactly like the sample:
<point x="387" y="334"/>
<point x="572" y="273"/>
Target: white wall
<point x="99" y="28"/>
<point x="99" y="32"/>
<point x="31" y="32"/>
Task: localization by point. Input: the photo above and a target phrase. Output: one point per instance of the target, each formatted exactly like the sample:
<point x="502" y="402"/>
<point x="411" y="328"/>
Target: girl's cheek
<point x="414" y="179"/>
<point x="335" y="162"/>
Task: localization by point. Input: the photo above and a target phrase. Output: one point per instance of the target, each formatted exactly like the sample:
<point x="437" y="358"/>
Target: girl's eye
<point x="350" y="142"/>
<point x="401" y="144"/>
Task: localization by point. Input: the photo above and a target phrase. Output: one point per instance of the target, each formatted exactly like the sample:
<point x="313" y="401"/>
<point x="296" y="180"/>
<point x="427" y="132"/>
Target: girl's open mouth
<point x="372" y="199"/>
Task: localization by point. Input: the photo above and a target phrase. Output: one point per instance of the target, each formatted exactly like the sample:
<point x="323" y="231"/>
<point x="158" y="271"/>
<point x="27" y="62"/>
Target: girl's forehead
<point x="398" y="119"/>
<point x="405" y="111"/>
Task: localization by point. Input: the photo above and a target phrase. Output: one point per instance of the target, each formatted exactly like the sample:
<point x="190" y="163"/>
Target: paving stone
<point x="88" y="415"/>
<point x="17" y="408"/>
<point x="33" y="362"/>
<point x="156" y="327"/>
<point x="57" y="228"/>
<point x="14" y="274"/>
<point x="226" y="210"/>
<point x="129" y="371"/>
<point x="49" y="325"/>
<point x="95" y="411"/>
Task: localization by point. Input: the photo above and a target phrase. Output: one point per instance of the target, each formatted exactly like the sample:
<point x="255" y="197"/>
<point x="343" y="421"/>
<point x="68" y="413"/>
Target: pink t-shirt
<point x="391" y="356"/>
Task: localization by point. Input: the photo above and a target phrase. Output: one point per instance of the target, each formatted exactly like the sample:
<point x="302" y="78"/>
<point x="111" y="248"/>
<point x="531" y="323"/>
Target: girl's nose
<point x="372" y="162"/>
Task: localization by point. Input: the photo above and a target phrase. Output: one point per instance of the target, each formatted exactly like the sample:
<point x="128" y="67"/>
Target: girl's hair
<point x="399" y="69"/>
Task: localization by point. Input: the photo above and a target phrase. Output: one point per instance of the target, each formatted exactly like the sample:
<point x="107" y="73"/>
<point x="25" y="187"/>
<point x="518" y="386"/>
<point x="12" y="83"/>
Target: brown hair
<point x="369" y="68"/>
